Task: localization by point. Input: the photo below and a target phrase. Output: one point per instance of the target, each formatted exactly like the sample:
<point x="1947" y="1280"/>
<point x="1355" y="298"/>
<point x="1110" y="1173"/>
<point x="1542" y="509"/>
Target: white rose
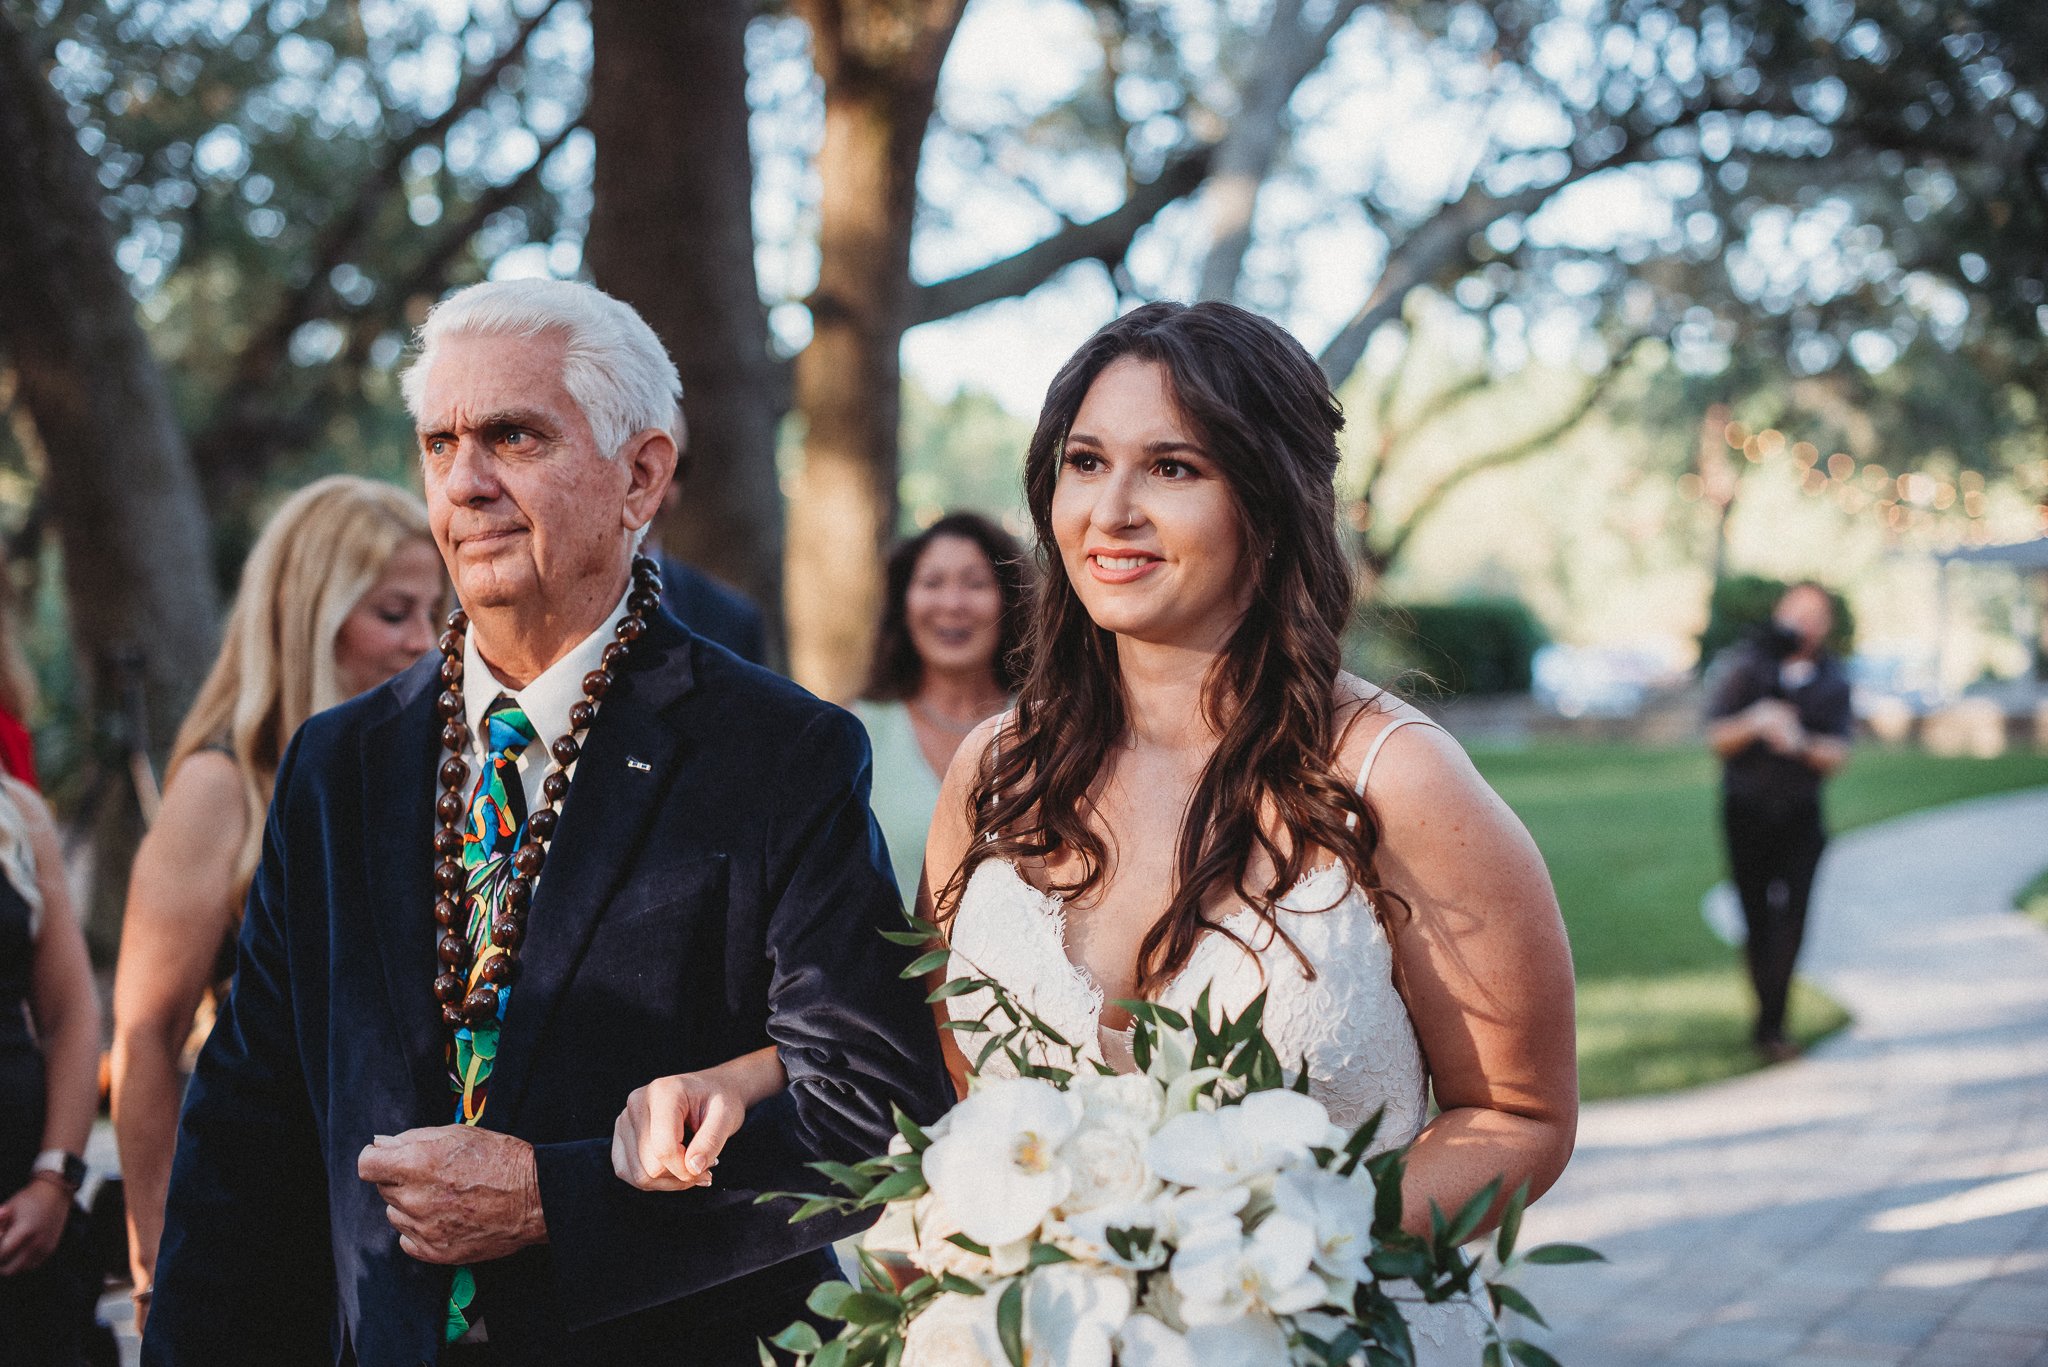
<point x="1107" y="1159"/>
<point x="1110" y="1096"/>
<point x="997" y="1167"/>
<point x="955" y="1331"/>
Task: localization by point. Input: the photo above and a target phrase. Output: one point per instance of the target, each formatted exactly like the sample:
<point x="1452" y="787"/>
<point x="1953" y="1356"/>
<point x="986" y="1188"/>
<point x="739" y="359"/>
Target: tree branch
<point x="1287" y="53"/>
<point x="264" y="355"/>
<point x="1104" y="239"/>
<point x="1534" y="443"/>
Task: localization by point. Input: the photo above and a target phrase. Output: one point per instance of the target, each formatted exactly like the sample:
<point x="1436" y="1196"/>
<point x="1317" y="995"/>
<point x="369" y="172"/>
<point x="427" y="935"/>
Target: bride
<point x="1191" y="794"/>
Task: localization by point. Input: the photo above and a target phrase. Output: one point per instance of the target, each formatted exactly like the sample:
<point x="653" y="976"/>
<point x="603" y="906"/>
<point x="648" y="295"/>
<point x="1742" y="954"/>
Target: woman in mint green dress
<point x="946" y="657"/>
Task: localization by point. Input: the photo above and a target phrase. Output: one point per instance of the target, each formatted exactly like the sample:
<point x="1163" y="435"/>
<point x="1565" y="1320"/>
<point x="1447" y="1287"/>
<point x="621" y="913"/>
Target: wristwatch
<point x="68" y="1168"/>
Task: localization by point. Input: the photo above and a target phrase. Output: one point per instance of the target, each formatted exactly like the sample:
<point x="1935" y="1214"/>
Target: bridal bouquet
<point x="1201" y="1212"/>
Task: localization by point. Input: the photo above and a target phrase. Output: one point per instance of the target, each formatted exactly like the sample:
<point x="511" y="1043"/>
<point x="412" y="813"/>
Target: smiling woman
<point x="1193" y="805"/>
<point x="947" y="655"/>
<point x="342" y="590"/>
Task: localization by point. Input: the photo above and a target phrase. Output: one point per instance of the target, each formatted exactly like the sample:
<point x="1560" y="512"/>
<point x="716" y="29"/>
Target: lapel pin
<point x="642" y="765"/>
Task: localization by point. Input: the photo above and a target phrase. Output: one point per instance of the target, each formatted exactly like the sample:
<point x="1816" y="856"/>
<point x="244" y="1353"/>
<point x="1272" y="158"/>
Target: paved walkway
<point x="1884" y="1200"/>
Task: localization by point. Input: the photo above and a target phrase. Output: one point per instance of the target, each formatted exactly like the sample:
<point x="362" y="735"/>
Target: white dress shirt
<point x="546" y="701"/>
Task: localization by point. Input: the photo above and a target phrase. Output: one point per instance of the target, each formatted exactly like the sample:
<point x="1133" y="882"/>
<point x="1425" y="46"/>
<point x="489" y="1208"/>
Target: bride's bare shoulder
<point x="1365" y="712"/>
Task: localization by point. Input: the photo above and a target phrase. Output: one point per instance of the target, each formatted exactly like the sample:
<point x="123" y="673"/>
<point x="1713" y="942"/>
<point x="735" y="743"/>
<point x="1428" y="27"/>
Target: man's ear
<point x="650" y="458"/>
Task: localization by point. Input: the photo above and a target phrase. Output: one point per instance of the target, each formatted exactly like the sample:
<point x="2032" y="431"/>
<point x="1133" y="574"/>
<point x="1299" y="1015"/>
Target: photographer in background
<point x="1778" y="718"/>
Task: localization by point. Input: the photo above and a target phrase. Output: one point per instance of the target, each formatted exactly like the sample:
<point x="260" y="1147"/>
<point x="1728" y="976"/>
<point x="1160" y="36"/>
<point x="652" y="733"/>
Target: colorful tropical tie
<point x="497" y="817"/>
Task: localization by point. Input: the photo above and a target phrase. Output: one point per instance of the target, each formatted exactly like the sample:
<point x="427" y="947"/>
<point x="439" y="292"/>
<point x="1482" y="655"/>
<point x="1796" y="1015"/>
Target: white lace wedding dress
<point x="1348" y="1021"/>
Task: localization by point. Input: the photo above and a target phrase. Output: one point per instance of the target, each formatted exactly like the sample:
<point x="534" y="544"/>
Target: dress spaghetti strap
<point x="1373" y="751"/>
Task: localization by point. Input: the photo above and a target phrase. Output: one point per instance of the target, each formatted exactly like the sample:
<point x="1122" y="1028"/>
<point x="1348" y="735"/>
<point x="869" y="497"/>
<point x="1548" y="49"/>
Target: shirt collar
<point x="547" y="700"/>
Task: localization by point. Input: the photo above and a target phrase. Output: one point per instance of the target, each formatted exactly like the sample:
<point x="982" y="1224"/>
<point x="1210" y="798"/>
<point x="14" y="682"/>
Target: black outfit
<point x="712" y="610"/>
<point x="44" y="1313"/>
<point x="716" y="883"/>
<point x="1771" y="815"/>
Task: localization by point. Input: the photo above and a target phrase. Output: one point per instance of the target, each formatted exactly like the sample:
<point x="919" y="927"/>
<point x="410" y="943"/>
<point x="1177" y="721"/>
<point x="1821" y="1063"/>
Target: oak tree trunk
<point x="672" y="233"/>
<point x="119" y="485"/>
<point x="880" y="63"/>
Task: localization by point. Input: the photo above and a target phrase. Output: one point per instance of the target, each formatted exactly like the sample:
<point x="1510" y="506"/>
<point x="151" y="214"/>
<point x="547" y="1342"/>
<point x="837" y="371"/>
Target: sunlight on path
<point x="1882" y="1201"/>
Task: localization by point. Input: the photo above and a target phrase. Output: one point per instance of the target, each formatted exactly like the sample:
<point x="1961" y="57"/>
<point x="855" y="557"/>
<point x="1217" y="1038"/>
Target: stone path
<point x="1884" y="1200"/>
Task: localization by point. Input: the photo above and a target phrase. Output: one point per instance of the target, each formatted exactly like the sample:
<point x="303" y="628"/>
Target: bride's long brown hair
<point x="1264" y="413"/>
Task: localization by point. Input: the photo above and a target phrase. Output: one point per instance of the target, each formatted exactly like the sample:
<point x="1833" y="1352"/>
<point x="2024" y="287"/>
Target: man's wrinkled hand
<point x="456" y="1194"/>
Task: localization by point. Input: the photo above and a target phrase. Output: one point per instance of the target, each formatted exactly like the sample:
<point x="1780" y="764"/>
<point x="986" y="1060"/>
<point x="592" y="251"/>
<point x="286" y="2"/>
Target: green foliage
<point x="1743" y="602"/>
<point x="964" y="453"/>
<point x="1632" y="842"/>
<point x="1475" y="646"/>
<point x="2033" y="898"/>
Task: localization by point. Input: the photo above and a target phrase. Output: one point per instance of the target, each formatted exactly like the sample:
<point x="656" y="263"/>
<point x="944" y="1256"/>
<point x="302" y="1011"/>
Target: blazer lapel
<point x="628" y="761"/>
<point x="400" y="756"/>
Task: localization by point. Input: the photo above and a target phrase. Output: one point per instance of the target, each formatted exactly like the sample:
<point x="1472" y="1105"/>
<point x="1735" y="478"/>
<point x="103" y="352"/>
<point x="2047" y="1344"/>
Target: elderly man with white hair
<point x="575" y="850"/>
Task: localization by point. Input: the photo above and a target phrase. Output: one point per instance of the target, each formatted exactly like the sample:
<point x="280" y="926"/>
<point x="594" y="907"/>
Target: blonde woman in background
<point x="343" y="590"/>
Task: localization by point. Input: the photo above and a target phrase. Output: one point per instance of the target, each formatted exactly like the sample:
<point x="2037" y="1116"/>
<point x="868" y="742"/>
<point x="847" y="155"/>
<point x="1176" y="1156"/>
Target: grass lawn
<point x="2033" y="898"/>
<point x="1633" y="842"/>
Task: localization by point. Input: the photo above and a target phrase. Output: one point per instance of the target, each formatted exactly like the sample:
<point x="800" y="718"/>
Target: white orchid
<point x="1146" y="1342"/>
<point x="1253" y="1139"/>
<point x="955" y="1331"/>
<point x="1251" y="1341"/>
<point x="997" y="1167"/>
<point x="1338" y="1209"/>
<point x="1223" y="1274"/>
<point x="1072" y="1313"/>
<point x="1086" y="1234"/>
<point x="1254" y="1340"/>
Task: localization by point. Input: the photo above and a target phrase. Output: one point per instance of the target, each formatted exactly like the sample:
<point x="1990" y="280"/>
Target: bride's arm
<point x="944" y="847"/>
<point x="1486" y="972"/>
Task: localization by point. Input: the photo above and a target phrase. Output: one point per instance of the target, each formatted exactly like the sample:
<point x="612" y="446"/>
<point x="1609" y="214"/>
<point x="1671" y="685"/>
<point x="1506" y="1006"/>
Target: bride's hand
<point x="669" y="1135"/>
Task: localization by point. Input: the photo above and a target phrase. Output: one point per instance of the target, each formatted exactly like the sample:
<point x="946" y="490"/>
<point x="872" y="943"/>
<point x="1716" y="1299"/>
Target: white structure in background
<point x="1982" y="722"/>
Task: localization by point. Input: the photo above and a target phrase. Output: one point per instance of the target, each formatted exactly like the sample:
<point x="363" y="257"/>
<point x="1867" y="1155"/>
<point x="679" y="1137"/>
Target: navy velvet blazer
<point x="722" y="892"/>
<point x="711" y="609"/>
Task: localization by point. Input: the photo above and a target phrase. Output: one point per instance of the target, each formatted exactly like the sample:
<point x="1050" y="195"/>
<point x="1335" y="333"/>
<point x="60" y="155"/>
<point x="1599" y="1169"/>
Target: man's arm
<point x="857" y="1042"/>
<point x="244" y="1273"/>
<point x="1739" y="714"/>
<point x="1825" y="744"/>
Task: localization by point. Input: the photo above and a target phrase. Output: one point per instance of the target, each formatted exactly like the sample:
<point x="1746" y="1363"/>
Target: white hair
<point x="614" y="366"/>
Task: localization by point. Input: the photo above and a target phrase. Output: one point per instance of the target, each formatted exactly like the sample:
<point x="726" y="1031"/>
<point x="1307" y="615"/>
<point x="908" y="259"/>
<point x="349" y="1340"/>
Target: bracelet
<point x="142" y="1294"/>
<point x="56" y="1178"/>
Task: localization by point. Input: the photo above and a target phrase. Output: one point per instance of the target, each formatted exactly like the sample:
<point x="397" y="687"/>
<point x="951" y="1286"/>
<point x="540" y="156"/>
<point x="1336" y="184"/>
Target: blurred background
<point x="1639" y="309"/>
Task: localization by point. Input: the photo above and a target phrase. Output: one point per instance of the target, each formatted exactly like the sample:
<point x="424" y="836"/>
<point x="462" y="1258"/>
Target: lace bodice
<point x="1347" y="1022"/>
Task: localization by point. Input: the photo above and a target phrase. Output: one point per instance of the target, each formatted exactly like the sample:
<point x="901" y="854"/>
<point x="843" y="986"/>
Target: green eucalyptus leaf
<point x="826" y="1298"/>
<point x="1556" y="1254"/>
<point x="866" y="1307"/>
<point x="1010" y="1322"/>
<point x="800" y="1337"/>
<point x="1506" y="1297"/>
<point x="925" y="963"/>
<point x="1045" y="1254"/>
<point x="1529" y="1355"/>
<point x="908" y="1183"/>
<point x="1473" y="1212"/>
<point x="1511" y="1223"/>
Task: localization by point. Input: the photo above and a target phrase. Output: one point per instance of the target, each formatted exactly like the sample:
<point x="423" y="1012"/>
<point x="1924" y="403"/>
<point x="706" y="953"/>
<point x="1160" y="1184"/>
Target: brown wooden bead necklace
<point x="460" y="1004"/>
